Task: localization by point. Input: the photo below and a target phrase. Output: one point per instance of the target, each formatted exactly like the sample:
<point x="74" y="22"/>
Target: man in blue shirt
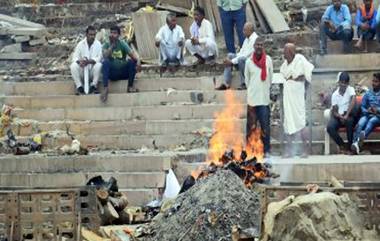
<point x="336" y="24"/>
<point x="370" y="117"/>
<point x="366" y="23"/>
<point x="232" y="14"/>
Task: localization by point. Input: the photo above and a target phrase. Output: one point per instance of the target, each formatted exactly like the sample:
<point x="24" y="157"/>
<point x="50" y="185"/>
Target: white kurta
<point x="247" y="48"/>
<point x="169" y="39"/>
<point x="82" y="51"/>
<point x="294" y="93"/>
<point x="258" y="91"/>
<point x="205" y="33"/>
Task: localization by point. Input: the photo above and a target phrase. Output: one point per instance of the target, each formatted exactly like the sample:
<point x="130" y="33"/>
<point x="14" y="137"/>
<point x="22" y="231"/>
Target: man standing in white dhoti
<point x="202" y="43"/>
<point x="86" y="63"/>
<point x="170" y="39"/>
<point x="296" y="71"/>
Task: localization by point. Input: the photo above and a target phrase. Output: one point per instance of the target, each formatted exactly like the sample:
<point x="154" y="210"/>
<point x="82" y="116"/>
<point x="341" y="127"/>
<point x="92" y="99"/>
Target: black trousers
<point x="259" y="114"/>
<point x="334" y="125"/>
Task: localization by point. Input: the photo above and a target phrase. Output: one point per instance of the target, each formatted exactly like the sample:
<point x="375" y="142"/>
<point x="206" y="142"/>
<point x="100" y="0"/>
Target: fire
<point x="228" y="134"/>
<point x="227" y="129"/>
<point x="255" y="146"/>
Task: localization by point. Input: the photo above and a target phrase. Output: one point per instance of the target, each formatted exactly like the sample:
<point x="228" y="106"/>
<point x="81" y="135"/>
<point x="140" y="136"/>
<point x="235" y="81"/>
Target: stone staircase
<point x="133" y="137"/>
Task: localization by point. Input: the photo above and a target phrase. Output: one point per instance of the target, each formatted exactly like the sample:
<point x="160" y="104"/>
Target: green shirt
<point x="231" y="5"/>
<point x="119" y="53"/>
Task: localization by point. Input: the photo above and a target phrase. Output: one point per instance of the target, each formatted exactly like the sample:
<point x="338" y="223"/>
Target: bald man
<point x="296" y="70"/>
<point x="170" y="39"/>
<point x="240" y="58"/>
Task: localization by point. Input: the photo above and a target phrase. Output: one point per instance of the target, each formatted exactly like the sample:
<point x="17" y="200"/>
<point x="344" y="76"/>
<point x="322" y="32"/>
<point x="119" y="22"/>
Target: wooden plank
<point x="146" y="27"/>
<point x="17" y="56"/>
<point x="260" y="17"/>
<point x="19" y="22"/>
<point x="171" y="8"/>
<point x="273" y="16"/>
<point x="218" y="20"/>
<point x="250" y="15"/>
<point x="178" y="3"/>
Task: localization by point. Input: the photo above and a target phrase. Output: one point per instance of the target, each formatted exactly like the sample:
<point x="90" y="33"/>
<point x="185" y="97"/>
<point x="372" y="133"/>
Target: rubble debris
<point x="74" y="148"/>
<point x="316" y="216"/>
<point x="21" y="32"/>
<point x="207" y="211"/>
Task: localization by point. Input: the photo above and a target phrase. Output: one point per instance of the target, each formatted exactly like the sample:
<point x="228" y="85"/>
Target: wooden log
<point x="119" y="203"/>
<point x="90" y="236"/>
<point x="102" y="195"/>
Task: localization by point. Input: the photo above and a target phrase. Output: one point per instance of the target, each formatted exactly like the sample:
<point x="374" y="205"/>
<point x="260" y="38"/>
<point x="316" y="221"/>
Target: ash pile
<point x="214" y="208"/>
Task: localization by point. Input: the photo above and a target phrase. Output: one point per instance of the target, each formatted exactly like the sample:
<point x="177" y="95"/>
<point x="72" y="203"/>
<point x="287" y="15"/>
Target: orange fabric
<point x="364" y="11"/>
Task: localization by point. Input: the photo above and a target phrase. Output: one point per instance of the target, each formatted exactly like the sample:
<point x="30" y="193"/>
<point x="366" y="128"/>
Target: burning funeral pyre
<point x="229" y="150"/>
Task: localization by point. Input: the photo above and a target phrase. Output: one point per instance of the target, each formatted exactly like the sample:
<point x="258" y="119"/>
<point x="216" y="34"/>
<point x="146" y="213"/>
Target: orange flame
<point x="255" y="146"/>
<point x="227" y="130"/>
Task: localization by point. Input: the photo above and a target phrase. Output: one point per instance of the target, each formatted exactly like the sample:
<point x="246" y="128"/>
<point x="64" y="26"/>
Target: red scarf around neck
<point x="364" y="11"/>
<point x="262" y="64"/>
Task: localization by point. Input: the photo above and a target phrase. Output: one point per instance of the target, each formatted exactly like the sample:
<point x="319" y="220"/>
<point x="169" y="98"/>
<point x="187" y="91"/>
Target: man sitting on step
<point x="370" y="116"/>
<point x="342" y="112"/>
<point x="366" y="23"/>
<point x="202" y="44"/>
<point x="86" y="63"/>
<point x="170" y="39"/>
<point x="115" y="63"/>
<point x="239" y="58"/>
<point x="336" y="24"/>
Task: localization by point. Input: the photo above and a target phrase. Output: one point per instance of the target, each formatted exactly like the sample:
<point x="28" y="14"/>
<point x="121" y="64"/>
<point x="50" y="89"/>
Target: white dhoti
<point x="294" y="93"/>
<point x="294" y="106"/>
<point x="205" y="50"/>
<point x="170" y="53"/>
<point x="78" y="73"/>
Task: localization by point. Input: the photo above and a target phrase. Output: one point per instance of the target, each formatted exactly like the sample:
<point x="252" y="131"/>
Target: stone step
<point x="336" y="47"/>
<point x="164" y="142"/>
<point x="61" y="179"/>
<point x="67" y="87"/>
<point x="159" y="112"/>
<point x="170" y="112"/>
<point x="362" y="61"/>
<point x="95" y="162"/>
<point x="155" y="127"/>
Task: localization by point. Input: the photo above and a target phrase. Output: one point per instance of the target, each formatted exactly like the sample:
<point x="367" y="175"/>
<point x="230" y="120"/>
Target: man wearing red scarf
<point x="258" y="79"/>
<point x="366" y="23"/>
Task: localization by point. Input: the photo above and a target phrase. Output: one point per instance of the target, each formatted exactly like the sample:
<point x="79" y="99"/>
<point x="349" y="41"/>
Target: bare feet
<point x="104" y="95"/>
<point x="359" y="44"/>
